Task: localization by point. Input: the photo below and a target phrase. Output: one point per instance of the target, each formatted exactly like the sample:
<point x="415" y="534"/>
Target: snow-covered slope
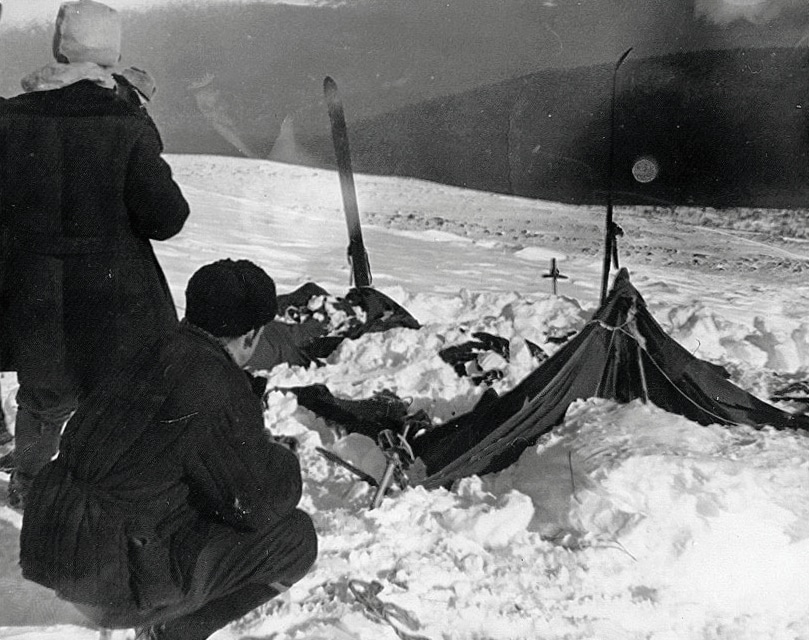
<point x="627" y="522"/>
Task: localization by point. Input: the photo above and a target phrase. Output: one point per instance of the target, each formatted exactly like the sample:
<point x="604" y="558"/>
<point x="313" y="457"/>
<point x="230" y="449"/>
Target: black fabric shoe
<point x="16" y="499"/>
<point x="7" y="463"/>
<point x="18" y="487"/>
<point x="5" y="434"/>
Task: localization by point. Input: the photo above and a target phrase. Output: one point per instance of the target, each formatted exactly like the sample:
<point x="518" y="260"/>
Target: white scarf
<point x="58" y="75"/>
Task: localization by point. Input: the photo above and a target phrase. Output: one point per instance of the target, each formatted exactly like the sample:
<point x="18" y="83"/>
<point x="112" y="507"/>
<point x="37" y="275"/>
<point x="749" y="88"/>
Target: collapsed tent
<point x="621" y="354"/>
<point x="386" y="411"/>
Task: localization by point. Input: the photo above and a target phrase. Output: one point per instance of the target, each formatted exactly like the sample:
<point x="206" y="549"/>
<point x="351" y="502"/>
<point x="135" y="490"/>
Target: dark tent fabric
<point x="621" y="354"/>
<point x="368" y="417"/>
<point x="303" y="337"/>
<point x="381" y="312"/>
<point x="384" y="411"/>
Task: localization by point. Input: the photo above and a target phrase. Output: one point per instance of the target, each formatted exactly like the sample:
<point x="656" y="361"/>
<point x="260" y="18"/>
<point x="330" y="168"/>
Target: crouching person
<point x="170" y="508"/>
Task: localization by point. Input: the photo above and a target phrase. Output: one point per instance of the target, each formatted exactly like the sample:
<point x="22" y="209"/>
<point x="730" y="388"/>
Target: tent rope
<point x="630" y="329"/>
<point x="386" y="612"/>
<point x="630" y="319"/>
<point x="719" y="418"/>
<point x="642" y="348"/>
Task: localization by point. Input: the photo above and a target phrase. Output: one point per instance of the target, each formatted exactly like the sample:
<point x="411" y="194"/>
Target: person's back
<point x="82" y="196"/>
<point x="169" y="493"/>
<point x="82" y="192"/>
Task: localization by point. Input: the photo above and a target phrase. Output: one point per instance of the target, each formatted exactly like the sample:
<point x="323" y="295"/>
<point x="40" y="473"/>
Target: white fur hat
<point x="87" y="31"/>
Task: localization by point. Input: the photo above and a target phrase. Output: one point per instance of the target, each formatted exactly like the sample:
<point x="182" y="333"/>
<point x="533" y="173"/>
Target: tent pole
<point x="609" y="231"/>
<point x="642" y="375"/>
<point x="639" y="349"/>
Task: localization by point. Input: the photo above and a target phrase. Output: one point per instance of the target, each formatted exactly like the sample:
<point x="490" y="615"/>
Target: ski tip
<point x="329" y="83"/>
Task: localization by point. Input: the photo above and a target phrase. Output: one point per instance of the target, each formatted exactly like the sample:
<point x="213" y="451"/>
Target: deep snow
<point x="626" y="522"/>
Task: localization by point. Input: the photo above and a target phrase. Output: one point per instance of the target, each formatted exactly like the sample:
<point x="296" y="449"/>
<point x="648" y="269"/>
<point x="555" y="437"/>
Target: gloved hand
<point x="287" y="441"/>
<point x="257" y="383"/>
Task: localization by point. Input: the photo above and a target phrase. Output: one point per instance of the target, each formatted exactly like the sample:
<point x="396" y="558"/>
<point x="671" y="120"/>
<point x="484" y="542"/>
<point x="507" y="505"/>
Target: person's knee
<point x="303" y="526"/>
<point x="310" y="539"/>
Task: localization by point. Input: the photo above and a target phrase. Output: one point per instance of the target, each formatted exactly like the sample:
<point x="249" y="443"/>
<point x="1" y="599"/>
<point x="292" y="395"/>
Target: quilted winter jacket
<point x="83" y="189"/>
<point x="154" y="457"/>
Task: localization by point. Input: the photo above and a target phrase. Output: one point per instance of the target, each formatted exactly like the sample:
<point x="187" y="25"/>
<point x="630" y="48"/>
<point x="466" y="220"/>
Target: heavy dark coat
<point x="83" y="189"/>
<point x="146" y="466"/>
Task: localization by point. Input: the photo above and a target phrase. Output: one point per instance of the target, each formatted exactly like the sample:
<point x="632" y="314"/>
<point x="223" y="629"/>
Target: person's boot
<point x="7" y="462"/>
<point x="18" y="488"/>
<point x="35" y="442"/>
<point x="215" y="615"/>
<point x="5" y="434"/>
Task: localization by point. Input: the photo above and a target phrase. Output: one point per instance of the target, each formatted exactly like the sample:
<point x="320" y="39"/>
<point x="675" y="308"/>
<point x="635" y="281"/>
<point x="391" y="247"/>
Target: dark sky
<point x="247" y="69"/>
<point x="587" y="31"/>
<point x="503" y="38"/>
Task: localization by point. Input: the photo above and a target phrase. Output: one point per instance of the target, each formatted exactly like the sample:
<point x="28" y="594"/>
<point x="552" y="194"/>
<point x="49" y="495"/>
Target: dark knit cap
<point x="229" y="298"/>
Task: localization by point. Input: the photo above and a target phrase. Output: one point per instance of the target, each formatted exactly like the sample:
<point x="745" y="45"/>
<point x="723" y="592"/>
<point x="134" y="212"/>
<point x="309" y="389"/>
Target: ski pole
<point x="392" y="450"/>
<point x="555" y="274"/>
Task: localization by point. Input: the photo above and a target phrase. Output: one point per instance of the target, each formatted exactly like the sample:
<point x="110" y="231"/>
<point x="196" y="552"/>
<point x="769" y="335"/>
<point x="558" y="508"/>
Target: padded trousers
<point x="41" y="415"/>
<point x="235" y="573"/>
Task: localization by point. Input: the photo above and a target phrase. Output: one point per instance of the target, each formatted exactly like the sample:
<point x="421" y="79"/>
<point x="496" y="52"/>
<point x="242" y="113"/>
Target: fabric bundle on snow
<point x="313" y="323"/>
<point x="621" y="354"/>
<point x="470" y="358"/>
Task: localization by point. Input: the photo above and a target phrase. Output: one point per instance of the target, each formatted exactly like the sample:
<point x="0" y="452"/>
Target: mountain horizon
<point x="245" y="79"/>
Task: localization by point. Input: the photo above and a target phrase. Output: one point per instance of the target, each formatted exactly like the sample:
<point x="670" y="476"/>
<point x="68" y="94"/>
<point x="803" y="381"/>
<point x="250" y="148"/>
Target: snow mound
<point x="711" y="515"/>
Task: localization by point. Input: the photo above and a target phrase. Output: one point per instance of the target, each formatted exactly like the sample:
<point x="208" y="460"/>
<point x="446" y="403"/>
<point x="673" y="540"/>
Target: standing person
<point x="83" y="190"/>
<point x="170" y="506"/>
<point x="5" y="434"/>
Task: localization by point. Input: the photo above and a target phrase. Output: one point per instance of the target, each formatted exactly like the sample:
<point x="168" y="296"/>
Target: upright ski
<point x="611" y="230"/>
<point x="5" y="434"/>
<point x="357" y="256"/>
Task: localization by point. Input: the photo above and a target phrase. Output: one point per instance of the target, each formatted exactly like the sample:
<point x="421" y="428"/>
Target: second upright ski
<point x="357" y="256"/>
